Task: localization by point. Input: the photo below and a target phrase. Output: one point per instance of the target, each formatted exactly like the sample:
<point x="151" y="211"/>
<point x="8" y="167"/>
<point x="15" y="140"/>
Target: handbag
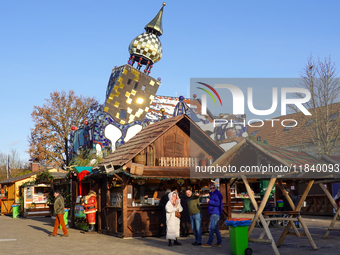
<point x="178" y="214"/>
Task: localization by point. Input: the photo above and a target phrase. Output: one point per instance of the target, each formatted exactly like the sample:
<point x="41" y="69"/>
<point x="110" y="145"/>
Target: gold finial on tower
<point x="155" y="25"/>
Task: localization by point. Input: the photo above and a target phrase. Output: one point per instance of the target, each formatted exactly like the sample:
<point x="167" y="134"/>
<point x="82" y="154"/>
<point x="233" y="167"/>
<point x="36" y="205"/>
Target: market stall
<point x="10" y="191"/>
<point x="35" y="200"/>
<point x="127" y="181"/>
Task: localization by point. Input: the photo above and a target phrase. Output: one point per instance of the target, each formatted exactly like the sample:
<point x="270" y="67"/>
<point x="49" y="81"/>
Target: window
<point x="292" y="124"/>
<point x="310" y="122"/>
<point x="136" y="86"/>
<point x="122" y="114"/>
<point x="334" y="116"/>
<point x="255" y="132"/>
<point x="129" y="81"/>
<point x="143" y="87"/>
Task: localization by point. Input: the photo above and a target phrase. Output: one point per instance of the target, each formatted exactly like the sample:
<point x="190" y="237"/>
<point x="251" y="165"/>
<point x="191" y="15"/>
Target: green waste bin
<point x="238" y="236"/>
<point x="15" y="210"/>
<point x="65" y="217"/>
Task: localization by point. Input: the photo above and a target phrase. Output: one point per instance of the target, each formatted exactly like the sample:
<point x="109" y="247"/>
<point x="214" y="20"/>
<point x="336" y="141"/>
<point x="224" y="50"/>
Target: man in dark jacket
<point x="59" y="211"/>
<point x="215" y="207"/>
<point x="195" y="213"/>
<point x="185" y="217"/>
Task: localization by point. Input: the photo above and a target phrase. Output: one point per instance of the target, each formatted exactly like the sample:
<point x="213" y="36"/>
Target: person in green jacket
<point x="195" y="215"/>
<point x="59" y="211"/>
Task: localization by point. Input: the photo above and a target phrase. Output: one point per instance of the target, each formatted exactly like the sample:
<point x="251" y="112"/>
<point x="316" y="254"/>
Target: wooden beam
<point x="280" y="218"/>
<point x="305" y="228"/>
<point x="284" y="192"/>
<point x="118" y="177"/>
<point x="304" y="195"/>
<point x="259" y="215"/>
<point x="99" y="215"/>
<point x="254" y="240"/>
<point x="262" y="205"/>
<point x="124" y="209"/>
<point x="229" y="200"/>
<point x="331" y="199"/>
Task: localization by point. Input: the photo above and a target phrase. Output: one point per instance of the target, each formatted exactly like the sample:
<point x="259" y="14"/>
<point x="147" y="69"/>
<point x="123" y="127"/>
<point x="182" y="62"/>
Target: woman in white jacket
<point x="173" y="222"/>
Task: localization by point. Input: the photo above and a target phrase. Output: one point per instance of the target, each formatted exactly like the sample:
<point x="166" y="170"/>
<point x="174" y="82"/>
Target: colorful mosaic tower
<point x="130" y="91"/>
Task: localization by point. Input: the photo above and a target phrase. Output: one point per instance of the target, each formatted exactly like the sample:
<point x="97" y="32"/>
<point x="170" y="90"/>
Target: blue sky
<point x="50" y="46"/>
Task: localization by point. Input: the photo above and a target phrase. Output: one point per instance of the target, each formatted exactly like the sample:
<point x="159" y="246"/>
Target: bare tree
<point x="320" y="78"/>
<point x="16" y="164"/>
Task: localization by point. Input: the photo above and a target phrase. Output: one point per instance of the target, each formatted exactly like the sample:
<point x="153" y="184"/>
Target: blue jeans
<point x="213" y="228"/>
<point x="196" y="226"/>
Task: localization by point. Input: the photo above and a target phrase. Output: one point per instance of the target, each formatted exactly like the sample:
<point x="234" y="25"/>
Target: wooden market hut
<point x="162" y="152"/>
<point x="10" y="191"/>
<point x="33" y="196"/>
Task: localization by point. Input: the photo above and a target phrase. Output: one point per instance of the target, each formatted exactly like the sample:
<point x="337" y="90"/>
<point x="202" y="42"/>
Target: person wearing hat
<point x="59" y="211"/>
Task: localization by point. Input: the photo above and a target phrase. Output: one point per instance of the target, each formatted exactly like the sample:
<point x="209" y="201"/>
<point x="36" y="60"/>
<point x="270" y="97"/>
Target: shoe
<point x="194" y="243"/>
<point x="217" y="245"/>
<point x="170" y="243"/>
<point x="197" y="244"/>
<point x="64" y="236"/>
<point x="177" y="243"/>
<point x="206" y="245"/>
<point x="50" y="235"/>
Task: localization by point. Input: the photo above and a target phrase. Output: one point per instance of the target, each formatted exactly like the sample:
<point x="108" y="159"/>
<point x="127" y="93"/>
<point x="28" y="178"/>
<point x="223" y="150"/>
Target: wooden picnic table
<point x="293" y="215"/>
<point x="335" y="206"/>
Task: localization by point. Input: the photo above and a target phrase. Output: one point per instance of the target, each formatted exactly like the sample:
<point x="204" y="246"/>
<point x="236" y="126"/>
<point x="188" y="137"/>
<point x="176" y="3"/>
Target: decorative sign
<point x="79" y="211"/>
<point x="180" y="182"/>
<point x="141" y="182"/>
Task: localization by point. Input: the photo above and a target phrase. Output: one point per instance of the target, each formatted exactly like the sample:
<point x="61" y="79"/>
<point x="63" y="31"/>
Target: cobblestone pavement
<point x="30" y="236"/>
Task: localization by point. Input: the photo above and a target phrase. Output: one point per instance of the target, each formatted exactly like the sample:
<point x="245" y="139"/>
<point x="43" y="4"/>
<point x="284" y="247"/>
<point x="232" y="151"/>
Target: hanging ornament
<point x="180" y="182"/>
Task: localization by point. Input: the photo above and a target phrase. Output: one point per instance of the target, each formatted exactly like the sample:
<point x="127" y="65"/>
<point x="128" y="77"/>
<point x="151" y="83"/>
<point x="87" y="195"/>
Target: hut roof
<point x="294" y="164"/>
<point x="145" y="137"/>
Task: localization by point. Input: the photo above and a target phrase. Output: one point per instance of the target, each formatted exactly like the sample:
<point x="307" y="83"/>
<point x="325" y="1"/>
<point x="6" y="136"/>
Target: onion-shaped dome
<point x="147" y="46"/>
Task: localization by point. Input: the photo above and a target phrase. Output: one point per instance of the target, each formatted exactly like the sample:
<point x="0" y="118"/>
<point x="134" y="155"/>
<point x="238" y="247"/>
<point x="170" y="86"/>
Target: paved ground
<point x="29" y="236"/>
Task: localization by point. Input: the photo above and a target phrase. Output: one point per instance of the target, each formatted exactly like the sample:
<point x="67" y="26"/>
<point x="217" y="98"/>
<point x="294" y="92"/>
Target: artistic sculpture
<point x="90" y="207"/>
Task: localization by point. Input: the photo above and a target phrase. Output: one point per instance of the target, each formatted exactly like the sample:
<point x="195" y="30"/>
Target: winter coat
<point x="296" y="200"/>
<point x="185" y="213"/>
<point x="162" y="203"/>
<point x="215" y="204"/>
<point x="286" y="205"/>
<point x="194" y="204"/>
<point x="172" y="222"/>
<point x="59" y="207"/>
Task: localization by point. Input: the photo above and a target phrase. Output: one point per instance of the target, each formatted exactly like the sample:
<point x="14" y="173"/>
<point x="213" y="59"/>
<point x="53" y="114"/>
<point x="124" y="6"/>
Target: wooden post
<point x="124" y="209"/>
<point x="99" y="202"/>
<point x="229" y="198"/>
